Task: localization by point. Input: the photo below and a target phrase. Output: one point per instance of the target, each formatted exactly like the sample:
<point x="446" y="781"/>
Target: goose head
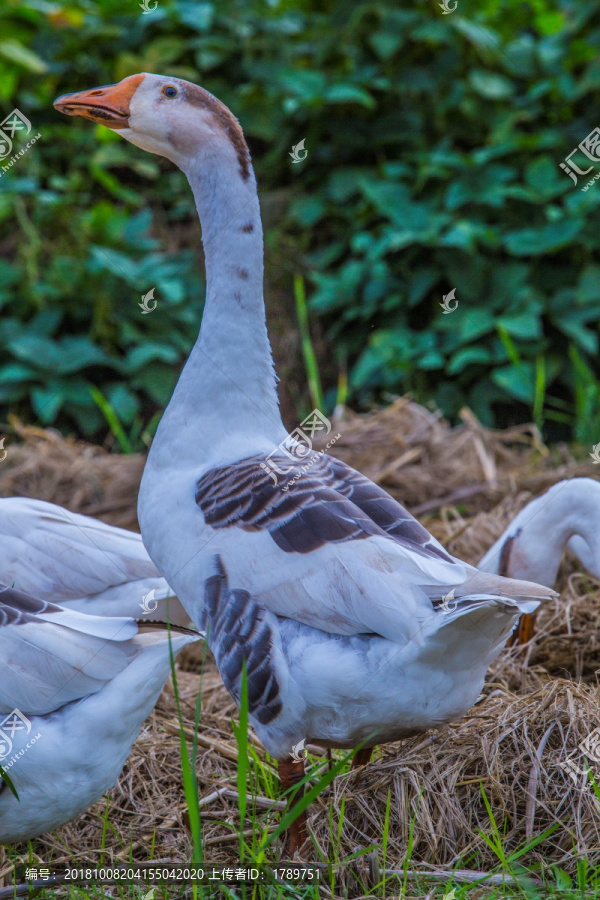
<point x="532" y="546"/>
<point x="167" y="116"/>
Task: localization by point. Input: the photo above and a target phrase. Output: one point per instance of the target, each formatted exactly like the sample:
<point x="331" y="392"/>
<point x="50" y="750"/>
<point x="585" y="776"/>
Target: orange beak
<point x="108" y="105"/>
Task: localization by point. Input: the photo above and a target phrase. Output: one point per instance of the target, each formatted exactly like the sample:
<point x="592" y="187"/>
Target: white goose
<point x="337" y="604"/>
<point x="74" y="692"/>
<point x="81" y="563"/>
<point x="533" y="544"/>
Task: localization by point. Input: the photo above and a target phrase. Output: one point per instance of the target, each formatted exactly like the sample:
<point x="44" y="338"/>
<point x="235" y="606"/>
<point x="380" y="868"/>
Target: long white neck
<point x="228" y="386"/>
<point x="535" y="540"/>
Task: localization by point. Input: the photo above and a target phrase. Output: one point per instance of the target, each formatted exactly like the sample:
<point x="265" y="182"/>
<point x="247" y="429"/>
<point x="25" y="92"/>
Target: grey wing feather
<point x="50" y="656"/>
<point x="238" y="631"/>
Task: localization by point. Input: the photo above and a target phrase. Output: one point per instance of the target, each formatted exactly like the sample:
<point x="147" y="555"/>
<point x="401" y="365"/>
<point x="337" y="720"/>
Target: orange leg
<point x="290" y="773"/>
<point x="362" y="757"/>
<point x="524" y="630"/>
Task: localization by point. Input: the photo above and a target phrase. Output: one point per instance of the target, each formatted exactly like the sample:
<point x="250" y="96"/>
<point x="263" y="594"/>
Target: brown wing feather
<point x="329" y="503"/>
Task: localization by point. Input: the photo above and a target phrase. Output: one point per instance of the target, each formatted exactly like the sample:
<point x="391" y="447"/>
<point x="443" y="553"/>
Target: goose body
<point x="74" y="692"/>
<point x="332" y="592"/>
<point x="81" y="563"/>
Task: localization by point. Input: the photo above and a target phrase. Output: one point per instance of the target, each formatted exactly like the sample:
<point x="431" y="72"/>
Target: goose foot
<point x="290" y="774"/>
<point x="524" y="630"/>
<point x="362" y="757"/>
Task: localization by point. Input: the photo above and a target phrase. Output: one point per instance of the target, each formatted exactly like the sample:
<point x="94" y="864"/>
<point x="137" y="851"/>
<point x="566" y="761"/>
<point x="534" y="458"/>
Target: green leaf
<point x="468" y="356"/>
<point x="519" y="381"/>
<point x="308" y="210"/>
<point x="490" y="85"/>
<point x="526" y="325"/>
<point x="14" y="51"/>
<point x="545" y="177"/>
<point x="385" y="43"/>
<point x="140" y="355"/>
<point x="474" y="323"/>
<point x="548" y="238"/>
<point x="483" y="39"/>
<point x="349" y="93"/>
<point x="120" y="264"/>
<point x="588" y="287"/>
<point x="394" y="201"/>
<point x="47" y="402"/>
<point x="198" y="16"/>
<point x="124" y="402"/>
<point x="15" y="372"/>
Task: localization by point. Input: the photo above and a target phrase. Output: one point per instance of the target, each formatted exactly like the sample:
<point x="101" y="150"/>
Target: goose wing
<point x="57" y="555"/>
<point x="330" y="548"/>
<point x="50" y="656"/>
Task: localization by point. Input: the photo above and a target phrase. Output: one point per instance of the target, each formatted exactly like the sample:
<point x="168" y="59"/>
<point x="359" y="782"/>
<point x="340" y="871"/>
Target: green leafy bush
<point x="434" y="144"/>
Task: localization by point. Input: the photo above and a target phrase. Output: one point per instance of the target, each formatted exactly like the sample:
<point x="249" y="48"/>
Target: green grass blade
<point x="8" y="782"/>
<point x="540" y="391"/>
<point x="305" y="801"/>
<point x="342" y="385"/>
<point x="509" y="346"/>
<point x="112" y="419"/>
<point x="310" y="359"/>
<point x="241" y="735"/>
<point x="104" y="830"/>
<point x="190" y="781"/>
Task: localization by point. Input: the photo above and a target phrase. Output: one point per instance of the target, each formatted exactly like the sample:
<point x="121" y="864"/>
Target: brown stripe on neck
<point x="201" y="98"/>
<point x="505" y="554"/>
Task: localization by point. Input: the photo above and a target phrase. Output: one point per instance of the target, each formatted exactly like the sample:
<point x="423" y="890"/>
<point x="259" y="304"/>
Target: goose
<point x="532" y="546"/>
<point x="355" y="626"/>
<point x="74" y="692"/>
<point x="81" y="563"/>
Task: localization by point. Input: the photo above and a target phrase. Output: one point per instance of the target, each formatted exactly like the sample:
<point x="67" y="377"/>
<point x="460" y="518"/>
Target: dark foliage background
<point x="434" y="143"/>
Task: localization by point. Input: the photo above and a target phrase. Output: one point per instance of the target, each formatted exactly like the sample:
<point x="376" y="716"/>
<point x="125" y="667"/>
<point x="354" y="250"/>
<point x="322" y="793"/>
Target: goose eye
<point x="170" y="91"/>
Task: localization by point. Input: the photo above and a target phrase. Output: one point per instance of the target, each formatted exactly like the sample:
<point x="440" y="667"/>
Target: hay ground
<point x="539" y="703"/>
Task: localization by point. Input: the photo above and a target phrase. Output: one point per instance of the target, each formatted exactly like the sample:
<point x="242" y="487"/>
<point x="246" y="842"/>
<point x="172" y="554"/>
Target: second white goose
<point x="74" y="692"/>
<point x="81" y="563"/>
<point x="532" y="546"/>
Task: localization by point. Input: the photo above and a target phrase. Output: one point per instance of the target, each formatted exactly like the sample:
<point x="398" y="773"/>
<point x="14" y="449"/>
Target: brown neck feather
<point x="201" y="98"/>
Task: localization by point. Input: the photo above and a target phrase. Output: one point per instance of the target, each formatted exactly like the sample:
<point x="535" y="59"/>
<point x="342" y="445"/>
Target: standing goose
<point x="81" y="563"/>
<point x="74" y="692"/>
<point x="533" y="544"/>
<point x="331" y="592"/>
